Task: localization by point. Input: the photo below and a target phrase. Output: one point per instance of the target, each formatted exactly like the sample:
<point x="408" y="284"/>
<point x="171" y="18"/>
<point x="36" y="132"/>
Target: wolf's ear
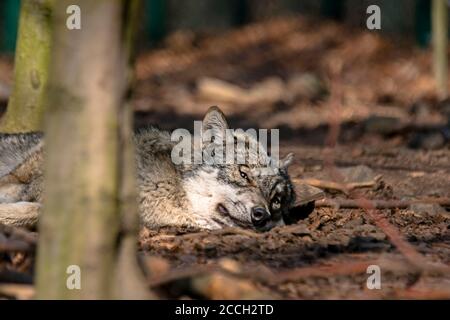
<point x="215" y="120"/>
<point x="286" y="161"/>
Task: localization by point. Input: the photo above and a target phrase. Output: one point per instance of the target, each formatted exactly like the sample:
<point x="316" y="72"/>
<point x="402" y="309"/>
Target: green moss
<point x="27" y="103"/>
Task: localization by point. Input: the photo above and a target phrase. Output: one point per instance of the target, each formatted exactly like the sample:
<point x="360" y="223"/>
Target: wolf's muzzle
<point x="260" y="217"/>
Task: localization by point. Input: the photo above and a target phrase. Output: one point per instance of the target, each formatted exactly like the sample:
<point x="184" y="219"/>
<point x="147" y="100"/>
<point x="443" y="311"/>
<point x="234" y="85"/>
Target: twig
<point x="390" y="264"/>
<point x="380" y="204"/>
<point x="179" y="274"/>
<point x="342" y="187"/>
<point x="387" y="167"/>
<point x="222" y="232"/>
<point x="322" y="271"/>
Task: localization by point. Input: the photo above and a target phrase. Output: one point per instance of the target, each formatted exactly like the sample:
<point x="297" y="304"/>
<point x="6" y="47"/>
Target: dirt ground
<point x="327" y="254"/>
<point x="344" y="100"/>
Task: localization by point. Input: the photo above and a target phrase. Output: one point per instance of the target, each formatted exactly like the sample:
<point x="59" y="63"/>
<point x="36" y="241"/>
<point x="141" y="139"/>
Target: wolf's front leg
<point x="20" y="214"/>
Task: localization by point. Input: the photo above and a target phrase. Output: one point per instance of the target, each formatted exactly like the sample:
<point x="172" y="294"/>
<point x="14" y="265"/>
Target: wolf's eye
<point x="276" y="203"/>
<point x="244" y="175"/>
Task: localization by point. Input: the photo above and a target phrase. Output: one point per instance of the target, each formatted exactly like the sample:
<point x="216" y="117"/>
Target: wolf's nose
<point x="260" y="216"/>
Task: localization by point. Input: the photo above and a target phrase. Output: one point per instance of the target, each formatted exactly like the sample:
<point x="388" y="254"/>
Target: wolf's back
<point x="15" y="149"/>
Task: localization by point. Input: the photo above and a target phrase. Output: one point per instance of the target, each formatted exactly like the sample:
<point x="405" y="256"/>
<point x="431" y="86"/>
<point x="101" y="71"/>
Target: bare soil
<point x="326" y="255"/>
<point x="378" y="91"/>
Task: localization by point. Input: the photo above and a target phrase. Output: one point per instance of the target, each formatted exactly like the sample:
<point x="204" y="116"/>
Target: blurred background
<point x="409" y="18"/>
<point x="278" y="63"/>
<point x="312" y="69"/>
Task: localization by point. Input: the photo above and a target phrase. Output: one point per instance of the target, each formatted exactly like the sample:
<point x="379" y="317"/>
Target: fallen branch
<point x="179" y="274"/>
<point x="380" y="204"/>
<point x="222" y="232"/>
<point x="342" y="187"/>
<point x="387" y="264"/>
<point x="212" y="282"/>
<point x="218" y="285"/>
<point x="322" y="271"/>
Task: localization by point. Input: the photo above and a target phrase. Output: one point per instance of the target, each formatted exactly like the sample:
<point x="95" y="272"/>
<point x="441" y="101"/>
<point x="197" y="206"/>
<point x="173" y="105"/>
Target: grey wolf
<point x="204" y="196"/>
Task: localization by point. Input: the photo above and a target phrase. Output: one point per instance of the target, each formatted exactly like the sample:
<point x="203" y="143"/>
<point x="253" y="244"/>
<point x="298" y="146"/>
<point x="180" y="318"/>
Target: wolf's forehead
<point x="255" y="152"/>
<point x="205" y="180"/>
<point x="265" y="172"/>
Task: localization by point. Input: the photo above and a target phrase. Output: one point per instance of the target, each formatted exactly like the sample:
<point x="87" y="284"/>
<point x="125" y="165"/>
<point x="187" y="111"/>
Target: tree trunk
<point x="90" y="215"/>
<point x="440" y="46"/>
<point x="26" y="105"/>
<point x="129" y="279"/>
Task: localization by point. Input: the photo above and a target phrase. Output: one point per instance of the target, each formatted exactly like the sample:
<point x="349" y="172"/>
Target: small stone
<point x="380" y="236"/>
<point x="357" y="174"/>
<point x="428" y="140"/>
<point x="383" y="125"/>
<point x="421" y="109"/>
<point x="353" y="223"/>
<point x="426" y="208"/>
<point x="230" y="265"/>
<point x="171" y="246"/>
<point x="366" y="228"/>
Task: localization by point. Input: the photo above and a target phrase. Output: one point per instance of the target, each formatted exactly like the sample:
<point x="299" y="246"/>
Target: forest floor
<point x="354" y="107"/>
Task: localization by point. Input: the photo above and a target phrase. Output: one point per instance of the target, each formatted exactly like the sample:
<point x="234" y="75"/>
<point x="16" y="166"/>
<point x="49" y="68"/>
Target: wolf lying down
<point x="201" y="196"/>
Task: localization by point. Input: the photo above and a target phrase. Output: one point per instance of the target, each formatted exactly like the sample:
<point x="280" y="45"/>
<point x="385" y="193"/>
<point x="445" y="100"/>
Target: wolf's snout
<point x="260" y="216"/>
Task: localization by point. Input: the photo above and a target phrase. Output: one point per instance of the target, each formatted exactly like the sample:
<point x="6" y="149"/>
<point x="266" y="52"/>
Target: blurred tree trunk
<point x="440" y="46"/>
<point x="90" y="216"/>
<point x="26" y="105"/>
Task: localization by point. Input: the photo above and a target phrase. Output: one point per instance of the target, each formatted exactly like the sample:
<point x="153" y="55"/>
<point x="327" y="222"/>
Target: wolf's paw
<point x="20" y="214"/>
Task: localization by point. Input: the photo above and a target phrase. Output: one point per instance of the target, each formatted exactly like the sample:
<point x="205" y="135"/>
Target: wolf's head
<point x="235" y="183"/>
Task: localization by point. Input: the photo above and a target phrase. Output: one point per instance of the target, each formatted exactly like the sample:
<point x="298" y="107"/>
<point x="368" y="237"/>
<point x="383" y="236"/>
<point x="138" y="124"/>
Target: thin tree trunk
<point x="26" y="105"/>
<point x="440" y="46"/>
<point x="129" y="279"/>
<point x="89" y="218"/>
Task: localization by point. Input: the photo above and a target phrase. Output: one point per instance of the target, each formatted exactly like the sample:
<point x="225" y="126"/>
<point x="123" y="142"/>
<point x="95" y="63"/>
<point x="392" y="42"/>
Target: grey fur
<point x="205" y="196"/>
<point x="15" y="149"/>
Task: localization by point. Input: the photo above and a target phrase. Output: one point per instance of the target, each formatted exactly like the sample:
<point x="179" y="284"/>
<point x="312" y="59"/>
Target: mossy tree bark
<point x="26" y="105"/>
<point x="440" y="46"/>
<point x="90" y="215"/>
